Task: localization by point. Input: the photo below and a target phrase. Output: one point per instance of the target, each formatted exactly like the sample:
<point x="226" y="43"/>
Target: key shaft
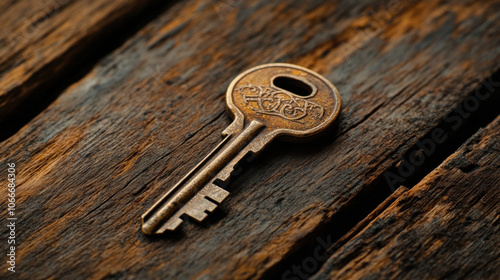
<point x="203" y="174"/>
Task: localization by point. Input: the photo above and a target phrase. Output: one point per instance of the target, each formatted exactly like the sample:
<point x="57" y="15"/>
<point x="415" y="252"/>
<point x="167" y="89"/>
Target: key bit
<point x="267" y="102"/>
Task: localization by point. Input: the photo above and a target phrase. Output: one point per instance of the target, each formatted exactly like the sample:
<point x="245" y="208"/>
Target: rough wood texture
<point x="445" y="227"/>
<point x="100" y="155"/>
<point x="41" y="40"/>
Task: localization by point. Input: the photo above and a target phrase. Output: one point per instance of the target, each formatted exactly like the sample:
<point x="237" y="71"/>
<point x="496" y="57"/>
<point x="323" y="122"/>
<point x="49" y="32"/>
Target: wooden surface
<point x="115" y="139"/>
<point x="43" y="44"/>
<point x="439" y="228"/>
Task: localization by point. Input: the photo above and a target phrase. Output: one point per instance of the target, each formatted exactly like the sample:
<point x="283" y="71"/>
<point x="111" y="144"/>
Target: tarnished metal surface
<point x="266" y="102"/>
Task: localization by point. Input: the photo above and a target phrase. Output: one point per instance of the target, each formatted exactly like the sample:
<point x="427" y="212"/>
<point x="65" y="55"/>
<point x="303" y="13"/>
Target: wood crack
<point x="36" y="89"/>
<point x="378" y="190"/>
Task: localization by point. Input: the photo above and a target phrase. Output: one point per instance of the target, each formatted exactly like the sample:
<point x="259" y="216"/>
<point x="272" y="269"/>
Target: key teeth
<point x="215" y="192"/>
<point x="195" y="208"/>
<point x="199" y="204"/>
<point x="170" y="225"/>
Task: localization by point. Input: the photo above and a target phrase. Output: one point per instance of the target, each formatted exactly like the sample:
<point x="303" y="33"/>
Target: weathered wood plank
<point x="41" y="41"/>
<point x="92" y="163"/>
<point x="446" y="227"/>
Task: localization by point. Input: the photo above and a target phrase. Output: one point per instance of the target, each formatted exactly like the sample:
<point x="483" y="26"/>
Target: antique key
<point x="267" y="102"/>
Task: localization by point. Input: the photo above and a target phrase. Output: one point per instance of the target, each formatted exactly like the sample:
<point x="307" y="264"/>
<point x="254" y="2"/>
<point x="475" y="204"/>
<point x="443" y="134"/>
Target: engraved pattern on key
<point x="199" y="192"/>
<point x="272" y="101"/>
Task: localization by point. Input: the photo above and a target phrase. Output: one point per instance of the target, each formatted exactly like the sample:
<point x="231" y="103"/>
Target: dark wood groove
<point x="33" y="96"/>
<point x="115" y="140"/>
<point x="359" y="212"/>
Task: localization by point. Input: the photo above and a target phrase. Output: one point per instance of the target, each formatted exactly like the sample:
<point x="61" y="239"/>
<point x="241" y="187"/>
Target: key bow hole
<point x="294" y="84"/>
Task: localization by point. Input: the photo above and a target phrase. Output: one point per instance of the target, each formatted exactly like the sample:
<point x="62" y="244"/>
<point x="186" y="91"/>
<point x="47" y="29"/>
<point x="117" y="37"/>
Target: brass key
<point x="267" y="102"/>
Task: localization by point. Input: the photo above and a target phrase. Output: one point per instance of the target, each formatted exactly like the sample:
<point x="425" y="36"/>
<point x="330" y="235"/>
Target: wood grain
<point x="43" y="43"/>
<point x="447" y="226"/>
<point x="112" y="143"/>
